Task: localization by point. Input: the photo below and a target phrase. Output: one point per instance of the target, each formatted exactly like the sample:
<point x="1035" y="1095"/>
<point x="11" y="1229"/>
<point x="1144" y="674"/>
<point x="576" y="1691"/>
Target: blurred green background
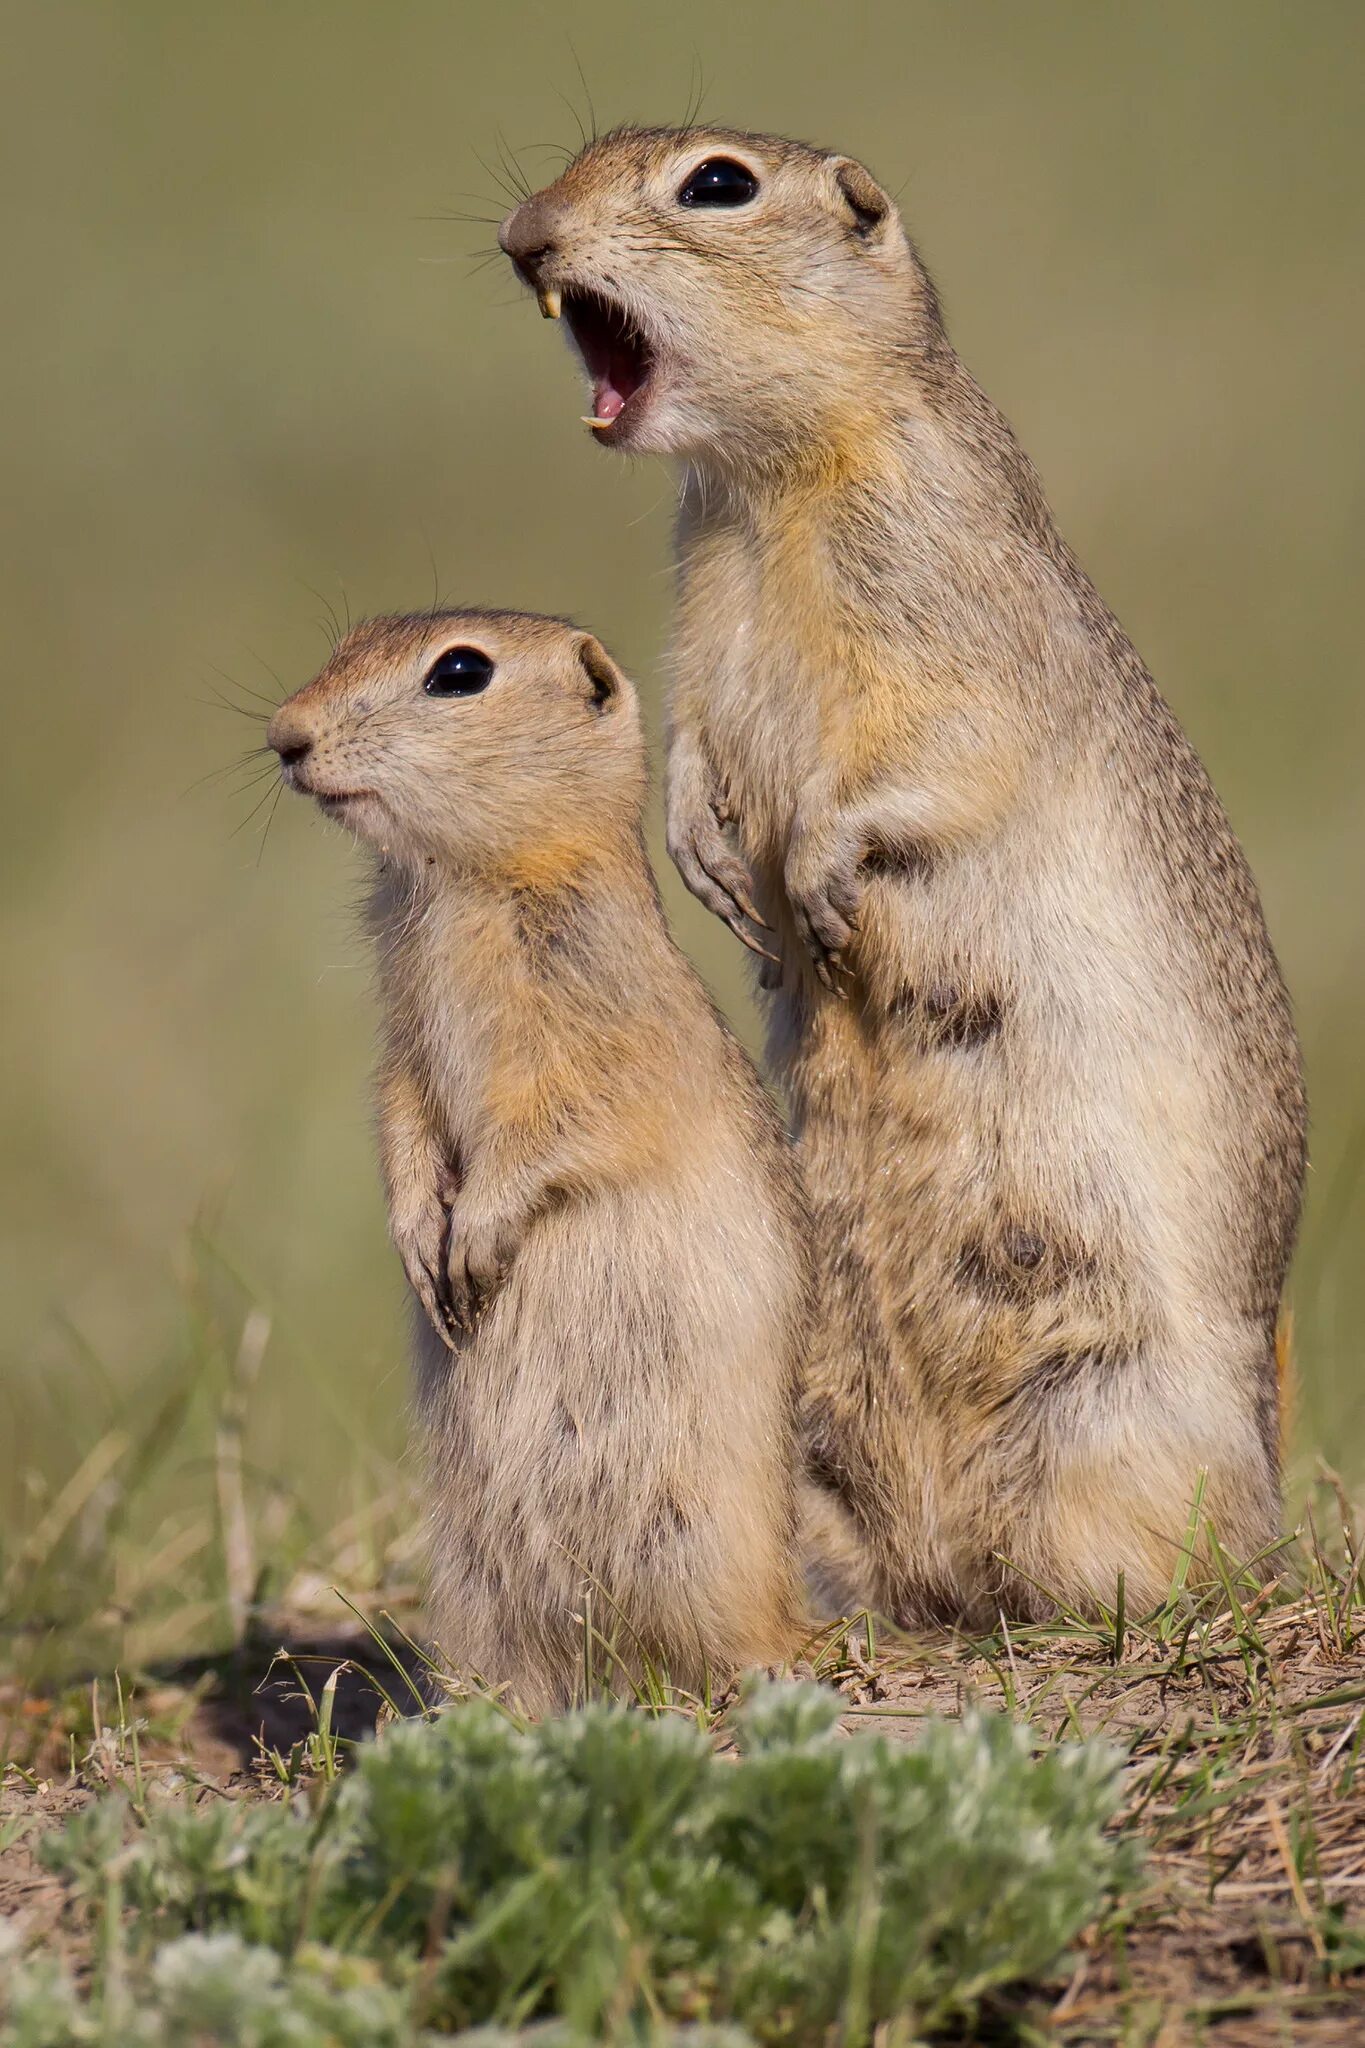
<point x="246" y="360"/>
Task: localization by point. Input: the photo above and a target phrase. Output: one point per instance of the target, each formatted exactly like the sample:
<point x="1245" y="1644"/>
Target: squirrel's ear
<point x="605" y="680"/>
<point x="868" y="206"/>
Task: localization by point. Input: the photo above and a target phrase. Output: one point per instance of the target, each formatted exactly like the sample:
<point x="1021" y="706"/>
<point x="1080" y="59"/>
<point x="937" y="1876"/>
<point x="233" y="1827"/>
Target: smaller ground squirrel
<point x="593" y="1197"/>
<point x="1039" y="1054"/>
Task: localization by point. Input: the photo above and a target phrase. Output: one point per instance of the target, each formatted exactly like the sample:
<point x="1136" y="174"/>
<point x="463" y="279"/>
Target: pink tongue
<point x="607" y="401"/>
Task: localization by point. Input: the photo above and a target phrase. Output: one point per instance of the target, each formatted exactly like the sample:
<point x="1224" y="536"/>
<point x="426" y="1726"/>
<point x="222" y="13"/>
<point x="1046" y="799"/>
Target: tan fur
<point x="1050" y="1108"/>
<point x="592" y="1196"/>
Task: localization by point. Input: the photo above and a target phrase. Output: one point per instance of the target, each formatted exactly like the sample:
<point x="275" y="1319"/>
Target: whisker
<point x="507" y="157"/>
<point x="245" y="688"/>
<point x="248" y="784"/>
<point x="479" y="259"/>
<point x="236" y="767"/>
<point x="587" y="93"/>
<point x="255" y="810"/>
<point x="269" y="821"/>
<point x="697" y="95"/>
<point x="578" y="118"/>
<point x="484" y="220"/>
<point x="650" y="510"/>
<point x="332" y="620"/>
<point x="436" y="605"/>
<point x="481" y="199"/>
<point x="217" y="702"/>
<point x="513" y="196"/>
<point x="251" y="770"/>
<point x="273" y="677"/>
<point x="551" y="148"/>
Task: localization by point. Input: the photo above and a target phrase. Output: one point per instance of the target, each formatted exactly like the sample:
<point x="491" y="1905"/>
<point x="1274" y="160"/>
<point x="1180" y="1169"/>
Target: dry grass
<point x="1242" y="1714"/>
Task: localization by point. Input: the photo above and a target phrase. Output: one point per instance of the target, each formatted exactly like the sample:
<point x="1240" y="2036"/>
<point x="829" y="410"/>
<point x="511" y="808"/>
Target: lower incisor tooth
<point x="550" y="303"/>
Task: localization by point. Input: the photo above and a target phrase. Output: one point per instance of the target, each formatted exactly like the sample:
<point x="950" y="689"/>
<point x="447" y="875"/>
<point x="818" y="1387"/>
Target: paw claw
<point x="478" y="1261"/>
<point x="826" y="906"/>
<point x="711" y="868"/>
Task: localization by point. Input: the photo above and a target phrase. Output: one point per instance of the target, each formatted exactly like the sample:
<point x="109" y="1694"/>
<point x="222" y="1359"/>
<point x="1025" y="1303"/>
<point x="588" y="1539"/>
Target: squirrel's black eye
<point x="720" y="181"/>
<point x="460" y="672"/>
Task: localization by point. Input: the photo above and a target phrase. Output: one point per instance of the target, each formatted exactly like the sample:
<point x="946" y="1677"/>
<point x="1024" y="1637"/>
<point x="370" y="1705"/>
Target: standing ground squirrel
<point x="1039" y="1053"/>
<point x="593" y="1198"/>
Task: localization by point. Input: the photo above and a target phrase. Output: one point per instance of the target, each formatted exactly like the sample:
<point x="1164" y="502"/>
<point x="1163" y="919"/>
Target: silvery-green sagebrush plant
<point x="608" y="1871"/>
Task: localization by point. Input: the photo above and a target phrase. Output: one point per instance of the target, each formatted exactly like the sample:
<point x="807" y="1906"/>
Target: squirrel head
<point x="731" y="295"/>
<point x="479" y="740"/>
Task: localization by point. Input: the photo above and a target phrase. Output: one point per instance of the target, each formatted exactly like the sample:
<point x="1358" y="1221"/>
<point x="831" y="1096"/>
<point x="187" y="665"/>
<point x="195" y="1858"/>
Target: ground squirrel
<point x="594" y="1199"/>
<point x="1039" y="1054"/>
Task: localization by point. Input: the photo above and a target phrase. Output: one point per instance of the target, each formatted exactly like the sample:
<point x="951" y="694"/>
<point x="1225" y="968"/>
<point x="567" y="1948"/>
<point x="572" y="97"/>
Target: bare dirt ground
<point x="1254" y="1831"/>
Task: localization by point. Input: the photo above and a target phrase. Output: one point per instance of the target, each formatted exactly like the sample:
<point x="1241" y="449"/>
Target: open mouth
<point x="616" y="355"/>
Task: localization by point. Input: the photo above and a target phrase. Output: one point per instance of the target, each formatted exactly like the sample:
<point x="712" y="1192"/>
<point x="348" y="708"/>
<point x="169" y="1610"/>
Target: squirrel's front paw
<point x="824" y="898"/>
<point x="478" y="1259"/>
<point x="421" y="1240"/>
<point x="707" y="861"/>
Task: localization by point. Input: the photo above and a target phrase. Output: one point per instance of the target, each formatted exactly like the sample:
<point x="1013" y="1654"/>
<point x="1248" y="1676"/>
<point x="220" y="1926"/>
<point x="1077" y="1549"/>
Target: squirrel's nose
<point x="528" y="234"/>
<point x="292" y="746"/>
